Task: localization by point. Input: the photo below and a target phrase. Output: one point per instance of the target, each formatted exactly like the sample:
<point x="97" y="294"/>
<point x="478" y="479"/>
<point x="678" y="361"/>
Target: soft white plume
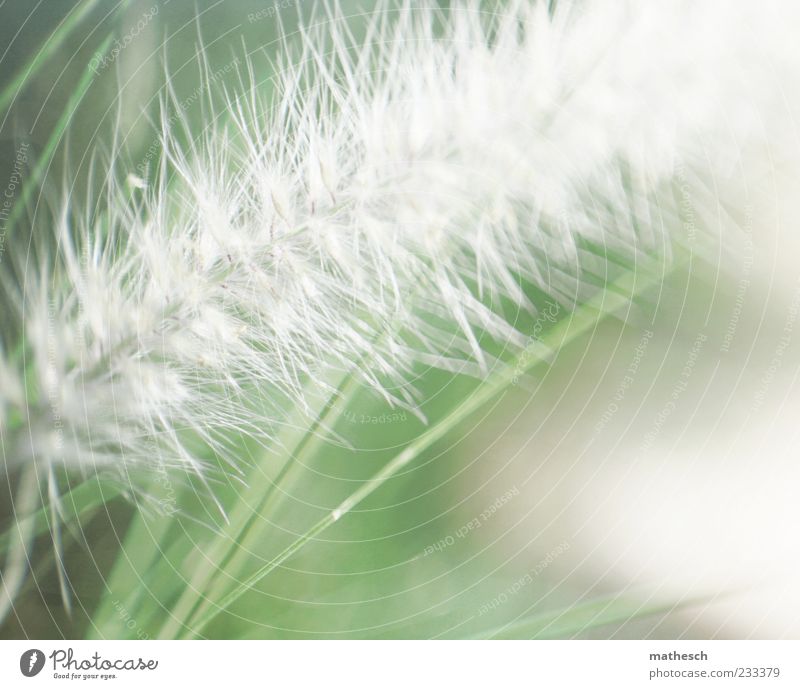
<point x="387" y="207"/>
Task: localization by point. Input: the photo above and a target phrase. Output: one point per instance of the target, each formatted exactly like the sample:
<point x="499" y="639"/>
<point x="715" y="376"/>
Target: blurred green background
<point x="480" y="533"/>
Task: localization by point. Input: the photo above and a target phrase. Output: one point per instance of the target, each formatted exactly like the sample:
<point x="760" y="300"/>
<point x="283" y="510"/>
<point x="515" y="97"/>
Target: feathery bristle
<point x="387" y="207"/>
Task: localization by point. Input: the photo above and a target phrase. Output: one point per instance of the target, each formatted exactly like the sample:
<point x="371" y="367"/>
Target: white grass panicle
<point x="387" y="207"/>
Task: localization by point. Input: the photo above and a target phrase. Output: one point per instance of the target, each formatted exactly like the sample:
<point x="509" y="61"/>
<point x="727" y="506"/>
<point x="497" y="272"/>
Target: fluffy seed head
<point x="392" y="204"/>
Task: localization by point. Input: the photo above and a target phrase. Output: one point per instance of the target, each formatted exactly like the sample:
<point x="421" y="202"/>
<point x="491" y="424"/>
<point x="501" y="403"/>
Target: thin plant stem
<point x="44" y="161"/>
<point x="577" y="619"/>
<point x="51" y="45"/>
<point x="581" y="320"/>
<point x="223" y="547"/>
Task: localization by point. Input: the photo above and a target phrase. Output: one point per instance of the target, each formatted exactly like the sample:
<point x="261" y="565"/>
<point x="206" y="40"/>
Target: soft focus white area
<point x="698" y="500"/>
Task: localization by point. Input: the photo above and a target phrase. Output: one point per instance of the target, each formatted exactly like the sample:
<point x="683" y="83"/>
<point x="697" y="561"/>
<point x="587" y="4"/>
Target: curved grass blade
<point x="581" y="321"/>
<point x="578" y="619"/>
<point x="51" y="45"/>
<point x="43" y="164"/>
<point x="225" y="549"/>
<point x="17" y="551"/>
<point x="75" y="505"/>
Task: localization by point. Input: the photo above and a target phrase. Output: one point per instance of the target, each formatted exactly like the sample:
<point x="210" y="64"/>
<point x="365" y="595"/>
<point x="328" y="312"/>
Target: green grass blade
<point x="76" y="504"/>
<point x="578" y="619"/>
<point x="43" y="164"/>
<point x="580" y="321"/>
<point x="125" y="588"/>
<point x="51" y="45"/>
<point x="242" y="523"/>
